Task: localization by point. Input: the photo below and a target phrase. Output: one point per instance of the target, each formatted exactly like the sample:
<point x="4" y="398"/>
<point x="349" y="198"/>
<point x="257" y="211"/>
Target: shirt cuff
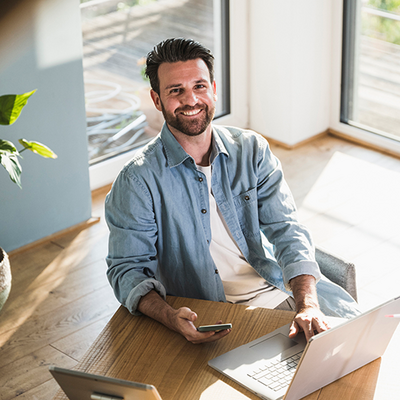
<point x="301" y="268"/>
<point x="141" y="290"/>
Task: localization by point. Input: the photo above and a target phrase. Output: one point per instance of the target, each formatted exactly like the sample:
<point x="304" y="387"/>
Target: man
<point x="199" y="196"/>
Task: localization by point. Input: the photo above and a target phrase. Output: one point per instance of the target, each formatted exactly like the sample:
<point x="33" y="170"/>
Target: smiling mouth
<point x="191" y="112"/>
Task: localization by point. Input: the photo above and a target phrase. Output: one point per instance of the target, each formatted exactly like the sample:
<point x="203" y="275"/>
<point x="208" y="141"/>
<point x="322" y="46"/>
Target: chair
<point x="341" y="272"/>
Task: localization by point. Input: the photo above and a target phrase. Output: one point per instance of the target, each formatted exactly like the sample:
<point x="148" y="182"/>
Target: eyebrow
<point x="177" y="85"/>
<point x="173" y="86"/>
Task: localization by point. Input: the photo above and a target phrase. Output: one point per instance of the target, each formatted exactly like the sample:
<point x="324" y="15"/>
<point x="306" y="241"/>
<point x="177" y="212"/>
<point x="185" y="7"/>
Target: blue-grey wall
<point x="41" y="48"/>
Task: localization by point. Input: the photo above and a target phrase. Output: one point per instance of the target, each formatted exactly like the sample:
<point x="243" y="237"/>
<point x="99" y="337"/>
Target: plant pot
<point x="5" y="277"/>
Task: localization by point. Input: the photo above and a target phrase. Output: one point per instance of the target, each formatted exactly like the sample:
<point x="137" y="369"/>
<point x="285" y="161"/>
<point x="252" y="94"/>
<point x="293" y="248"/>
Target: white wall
<point x="290" y="68"/>
<point x="41" y="48"/>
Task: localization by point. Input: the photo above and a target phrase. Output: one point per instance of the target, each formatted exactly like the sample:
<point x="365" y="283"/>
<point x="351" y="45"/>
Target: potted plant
<point x="11" y="106"/>
<point x="5" y="277"/>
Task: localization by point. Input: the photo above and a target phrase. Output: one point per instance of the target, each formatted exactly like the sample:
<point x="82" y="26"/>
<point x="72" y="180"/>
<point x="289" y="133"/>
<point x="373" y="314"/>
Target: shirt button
<point x="216" y="271"/>
<point x="204" y="211"/>
<point x="191" y="161"/>
<point x="200" y="179"/>
<point x="247" y="197"/>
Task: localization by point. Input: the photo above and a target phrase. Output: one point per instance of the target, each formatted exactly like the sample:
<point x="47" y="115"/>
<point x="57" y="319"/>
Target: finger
<point x="308" y="330"/>
<point x="327" y="324"/>
<point x="212" y="338"/>
<point x="202" y="337"/>
<point x="320" y="325"/>
<point x="294" y="329"/>
<point x="305" y="325"/>
<point x="190" y="332"/>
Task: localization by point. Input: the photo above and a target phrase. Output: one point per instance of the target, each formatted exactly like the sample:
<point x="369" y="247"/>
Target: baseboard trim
<point x="364" y="143"/>
<point x="78" y="227"/>
<point x="299" y="144"/>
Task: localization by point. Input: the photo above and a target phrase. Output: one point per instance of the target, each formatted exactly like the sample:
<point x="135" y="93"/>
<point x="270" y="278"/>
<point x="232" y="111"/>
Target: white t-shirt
<point x="242" y="284"/>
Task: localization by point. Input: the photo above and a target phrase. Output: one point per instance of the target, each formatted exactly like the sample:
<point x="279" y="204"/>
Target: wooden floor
<point x="349" y="196"/>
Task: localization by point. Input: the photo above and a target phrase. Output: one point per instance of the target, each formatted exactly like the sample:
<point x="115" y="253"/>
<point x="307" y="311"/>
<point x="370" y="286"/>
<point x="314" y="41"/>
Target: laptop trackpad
<point x="273" y="346"/>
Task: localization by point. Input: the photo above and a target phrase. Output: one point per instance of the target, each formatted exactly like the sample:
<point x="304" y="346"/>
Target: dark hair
<point x="174" y="50"/>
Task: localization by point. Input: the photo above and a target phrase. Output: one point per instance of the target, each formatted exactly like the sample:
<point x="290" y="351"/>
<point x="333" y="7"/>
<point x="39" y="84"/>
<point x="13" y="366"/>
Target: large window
<point x="117" y="35"/>
<point x="371" y="66"/>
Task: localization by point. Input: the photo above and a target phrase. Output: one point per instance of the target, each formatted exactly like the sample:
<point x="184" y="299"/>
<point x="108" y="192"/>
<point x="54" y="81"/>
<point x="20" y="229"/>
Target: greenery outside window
<point x="370" y="96"/>
<point x="117" y="35"/>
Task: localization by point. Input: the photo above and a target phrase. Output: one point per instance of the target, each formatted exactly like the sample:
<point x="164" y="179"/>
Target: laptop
<point x="82" y="386"/>
<point x="277" y="367"/>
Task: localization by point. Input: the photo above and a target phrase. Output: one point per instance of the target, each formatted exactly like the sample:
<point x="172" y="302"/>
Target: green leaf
<point x="7" y="146"/>
<point x="38" y="148"/>
<point x="10" y="162"/>
<point x="11" y="106"/>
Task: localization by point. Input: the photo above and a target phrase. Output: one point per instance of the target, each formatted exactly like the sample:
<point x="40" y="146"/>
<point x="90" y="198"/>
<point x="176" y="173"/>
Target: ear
<point x="156" y="99"/>
<point x="215" y="91"/>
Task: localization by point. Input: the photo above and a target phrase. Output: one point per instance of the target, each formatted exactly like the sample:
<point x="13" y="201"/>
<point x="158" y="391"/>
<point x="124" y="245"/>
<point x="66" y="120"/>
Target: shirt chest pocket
<point x="247" y="212"/>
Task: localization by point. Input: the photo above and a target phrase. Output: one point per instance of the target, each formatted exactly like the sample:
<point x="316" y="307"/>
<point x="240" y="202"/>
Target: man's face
<point x="187" y="97"/>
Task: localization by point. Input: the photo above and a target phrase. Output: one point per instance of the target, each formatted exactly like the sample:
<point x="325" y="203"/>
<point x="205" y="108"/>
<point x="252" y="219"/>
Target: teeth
<point x="194" y="112"/>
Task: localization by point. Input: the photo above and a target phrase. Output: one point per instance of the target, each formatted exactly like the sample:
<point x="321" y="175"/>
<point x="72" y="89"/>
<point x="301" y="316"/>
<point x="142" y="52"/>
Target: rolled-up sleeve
<point x="132" y="255"/>
<point x="293" y="247"/>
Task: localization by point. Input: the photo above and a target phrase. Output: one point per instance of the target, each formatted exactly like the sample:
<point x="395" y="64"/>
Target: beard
<point x="193" y="127"/>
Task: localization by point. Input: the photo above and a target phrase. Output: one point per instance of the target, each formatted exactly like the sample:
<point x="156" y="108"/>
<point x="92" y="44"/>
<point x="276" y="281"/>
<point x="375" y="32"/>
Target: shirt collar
<point x="177" y="155"/>
<point x="217" y="145"/>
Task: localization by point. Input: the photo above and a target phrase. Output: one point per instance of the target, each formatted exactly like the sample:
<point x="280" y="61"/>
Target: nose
<point x="189" y="98"/>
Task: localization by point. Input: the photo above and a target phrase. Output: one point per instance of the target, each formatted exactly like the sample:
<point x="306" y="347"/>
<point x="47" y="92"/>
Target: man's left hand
<point x="309" y="317"/>
<point x="310" y="321"/>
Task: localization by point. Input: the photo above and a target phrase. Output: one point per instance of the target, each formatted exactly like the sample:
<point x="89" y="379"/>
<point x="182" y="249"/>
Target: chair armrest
<point x="338" y="271"/>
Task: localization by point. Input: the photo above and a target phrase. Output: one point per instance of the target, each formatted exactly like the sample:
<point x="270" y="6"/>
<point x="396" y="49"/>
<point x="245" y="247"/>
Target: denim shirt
<point x="158" y="215"/>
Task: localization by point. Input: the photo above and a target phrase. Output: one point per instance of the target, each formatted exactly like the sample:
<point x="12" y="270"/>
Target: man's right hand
<point x="180" y="320"/>
<point x="183" y="322"/>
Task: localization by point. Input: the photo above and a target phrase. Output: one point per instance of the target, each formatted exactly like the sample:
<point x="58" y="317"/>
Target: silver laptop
<point x="82" y="386"/>
<point x="277" y="367"/>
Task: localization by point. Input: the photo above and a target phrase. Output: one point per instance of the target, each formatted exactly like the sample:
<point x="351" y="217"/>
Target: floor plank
<point x="41" y="298"/>
<point x="30" y="371"/>
<point x="46" y="390"/>
<point x="37" y="332"/>
<point x="76" y="344"/>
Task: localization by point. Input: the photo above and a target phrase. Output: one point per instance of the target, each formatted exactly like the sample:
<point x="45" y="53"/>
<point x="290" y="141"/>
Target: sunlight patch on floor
<point x="219" y="390"/>
<point x="352" y="211"/>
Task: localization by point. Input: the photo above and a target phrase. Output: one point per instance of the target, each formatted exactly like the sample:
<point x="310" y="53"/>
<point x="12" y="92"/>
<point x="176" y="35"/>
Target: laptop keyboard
<point x="277" y="374"/>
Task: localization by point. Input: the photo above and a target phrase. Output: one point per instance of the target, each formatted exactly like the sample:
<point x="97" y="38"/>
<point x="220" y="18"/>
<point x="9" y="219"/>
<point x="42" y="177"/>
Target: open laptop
<point x="302" y="368"/>
<point x="82" y="386"/>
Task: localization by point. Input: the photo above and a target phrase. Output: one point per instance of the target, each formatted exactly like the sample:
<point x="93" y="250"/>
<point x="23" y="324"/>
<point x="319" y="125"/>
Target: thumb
<point x="188" y="314"/>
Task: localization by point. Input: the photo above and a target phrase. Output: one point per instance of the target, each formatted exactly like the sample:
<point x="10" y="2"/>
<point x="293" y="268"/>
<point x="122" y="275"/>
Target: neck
<point x="199" y="147"/>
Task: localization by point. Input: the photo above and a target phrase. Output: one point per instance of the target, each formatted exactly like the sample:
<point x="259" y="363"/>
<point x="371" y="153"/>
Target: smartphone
<point x="217" y="327"/>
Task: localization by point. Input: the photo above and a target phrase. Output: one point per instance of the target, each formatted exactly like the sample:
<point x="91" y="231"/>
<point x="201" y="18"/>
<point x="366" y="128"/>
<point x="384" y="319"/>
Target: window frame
<point x="361" y="134"/>
<point x="235" y="111"/>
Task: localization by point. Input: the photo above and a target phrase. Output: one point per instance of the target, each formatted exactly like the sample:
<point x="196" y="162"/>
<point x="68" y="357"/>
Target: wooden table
<point x="142" y="350"/>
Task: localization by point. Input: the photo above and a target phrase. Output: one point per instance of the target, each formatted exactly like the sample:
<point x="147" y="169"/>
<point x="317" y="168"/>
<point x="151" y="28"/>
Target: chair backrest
<point x="341" y="272"/>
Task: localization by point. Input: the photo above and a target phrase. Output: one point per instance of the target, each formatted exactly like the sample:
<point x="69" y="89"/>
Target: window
<point x="370" y="96"/>
<point x="116" y="39"/>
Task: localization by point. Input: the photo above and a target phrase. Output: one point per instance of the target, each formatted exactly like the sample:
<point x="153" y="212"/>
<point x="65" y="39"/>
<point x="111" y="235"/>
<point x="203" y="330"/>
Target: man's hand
<point x="309" y="317"/>
<point x="180" y="320"/>
<point x="311" y="321"/>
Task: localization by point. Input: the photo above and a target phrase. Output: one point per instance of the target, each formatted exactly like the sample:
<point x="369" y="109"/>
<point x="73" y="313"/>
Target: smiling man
<point x="203" y="211"/>
<point x="191" y="101"/>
